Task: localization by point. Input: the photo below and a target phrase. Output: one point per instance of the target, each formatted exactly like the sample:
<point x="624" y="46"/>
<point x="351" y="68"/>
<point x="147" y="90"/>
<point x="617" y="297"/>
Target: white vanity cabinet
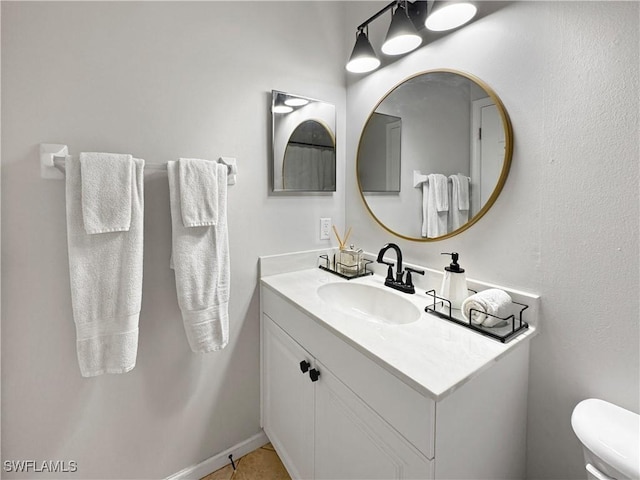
<point x="321" y="428"/>
<point x="288" y="399"/>
<point x="347" y="417"/>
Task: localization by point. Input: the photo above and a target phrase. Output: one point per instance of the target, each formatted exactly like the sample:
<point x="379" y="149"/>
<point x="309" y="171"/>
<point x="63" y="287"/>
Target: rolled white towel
<point x="492" y="301"/>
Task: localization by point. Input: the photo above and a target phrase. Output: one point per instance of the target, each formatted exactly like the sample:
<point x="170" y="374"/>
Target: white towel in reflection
<point x="459" y="211"/>
<point x="435" y="205"/>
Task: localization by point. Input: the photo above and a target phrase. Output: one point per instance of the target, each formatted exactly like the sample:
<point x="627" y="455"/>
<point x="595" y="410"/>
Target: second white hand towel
<point x="459" y="205"/>
<point x="435" y="205"/>
<point x="201" y="263"/>
<point x="199" y="197"/>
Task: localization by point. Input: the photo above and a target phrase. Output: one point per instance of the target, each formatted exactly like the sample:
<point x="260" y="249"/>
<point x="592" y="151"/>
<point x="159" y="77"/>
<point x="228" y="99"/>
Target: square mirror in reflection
<point x="304" y="144"/>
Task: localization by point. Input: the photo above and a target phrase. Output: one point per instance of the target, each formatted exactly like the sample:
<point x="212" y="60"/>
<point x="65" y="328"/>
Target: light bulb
<point x="402" y="36"/>
<point x="282" y="109"/>
<point x="450" y="15"/>
<point x="296" y="101"/>
<point x="401" y="44"/>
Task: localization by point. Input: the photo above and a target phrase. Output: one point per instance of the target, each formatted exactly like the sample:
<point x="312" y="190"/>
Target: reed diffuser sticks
<point x="341" y="243"/>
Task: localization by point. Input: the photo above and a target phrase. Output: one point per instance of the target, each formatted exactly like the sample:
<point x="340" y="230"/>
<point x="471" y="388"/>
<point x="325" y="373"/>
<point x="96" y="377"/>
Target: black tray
<point x="508" y="327"/>
<point x="363" y="272"/>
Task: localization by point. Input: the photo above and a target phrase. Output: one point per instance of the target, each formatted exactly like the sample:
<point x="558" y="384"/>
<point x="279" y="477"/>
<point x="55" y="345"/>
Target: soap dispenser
<point x="454" y="283"/>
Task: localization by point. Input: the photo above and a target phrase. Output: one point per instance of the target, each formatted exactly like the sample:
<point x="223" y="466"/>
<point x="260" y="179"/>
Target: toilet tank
<point x="610" y="436"/>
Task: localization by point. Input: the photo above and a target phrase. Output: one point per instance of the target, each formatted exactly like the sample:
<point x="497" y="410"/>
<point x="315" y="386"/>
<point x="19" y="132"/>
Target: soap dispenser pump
<point x="454" y="283"/>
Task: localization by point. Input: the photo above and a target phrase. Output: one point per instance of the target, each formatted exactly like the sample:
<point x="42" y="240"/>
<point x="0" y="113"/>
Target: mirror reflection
<point x="304" y="145"/>
<point x="379" y="165"/>
<point x="434" y="155"/>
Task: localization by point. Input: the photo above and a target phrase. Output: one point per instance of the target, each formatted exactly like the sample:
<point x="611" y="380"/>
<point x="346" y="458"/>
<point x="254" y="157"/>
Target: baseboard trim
<point x="218" y="461"/>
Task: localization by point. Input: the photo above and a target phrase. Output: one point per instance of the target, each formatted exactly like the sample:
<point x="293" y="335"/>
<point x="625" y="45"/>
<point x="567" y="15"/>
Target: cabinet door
<point x="353" y="442"/>
<point x="288" y="400"/>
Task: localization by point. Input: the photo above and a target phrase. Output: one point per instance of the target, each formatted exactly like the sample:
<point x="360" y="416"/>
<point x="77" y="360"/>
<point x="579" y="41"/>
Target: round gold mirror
<point x="434" y="155"/>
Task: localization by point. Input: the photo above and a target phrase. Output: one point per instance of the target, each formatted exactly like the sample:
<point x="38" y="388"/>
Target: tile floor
<point x="261" y="464"/>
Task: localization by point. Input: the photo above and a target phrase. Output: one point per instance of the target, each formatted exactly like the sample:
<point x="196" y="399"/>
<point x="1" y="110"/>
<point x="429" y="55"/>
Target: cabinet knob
<point x="314" y="374"/>
<point x="304" y="366"/>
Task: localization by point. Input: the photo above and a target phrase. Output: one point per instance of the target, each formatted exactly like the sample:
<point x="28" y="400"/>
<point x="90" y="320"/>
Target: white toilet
<point x="610" y="437"/>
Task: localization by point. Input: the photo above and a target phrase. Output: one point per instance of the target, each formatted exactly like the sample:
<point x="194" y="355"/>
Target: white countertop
<point x="432" y="355"/>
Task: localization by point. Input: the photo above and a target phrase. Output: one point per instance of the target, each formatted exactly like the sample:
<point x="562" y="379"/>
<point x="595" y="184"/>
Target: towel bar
<point x="58" y="163"/>
<point x="419" y="178"/>
<point x="52" y="159"/>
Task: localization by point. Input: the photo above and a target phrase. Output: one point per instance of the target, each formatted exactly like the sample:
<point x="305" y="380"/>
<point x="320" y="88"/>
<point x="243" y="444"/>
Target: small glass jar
<point x="350" y="261"/>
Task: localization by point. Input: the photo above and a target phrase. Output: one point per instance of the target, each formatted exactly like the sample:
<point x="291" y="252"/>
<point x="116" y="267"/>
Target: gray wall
<point x="566" y="224"/>
<point x="159" y="80"/>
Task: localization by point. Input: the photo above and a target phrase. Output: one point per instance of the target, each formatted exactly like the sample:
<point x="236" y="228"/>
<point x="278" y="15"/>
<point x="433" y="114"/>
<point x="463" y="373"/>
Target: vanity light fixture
<point x="402" y="36"/>
<point x="363" y="57"/>
<point x="449" y="15"/>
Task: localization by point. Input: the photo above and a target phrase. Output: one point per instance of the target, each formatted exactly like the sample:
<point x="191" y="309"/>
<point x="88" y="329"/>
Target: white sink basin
<point x="370" y="303"/>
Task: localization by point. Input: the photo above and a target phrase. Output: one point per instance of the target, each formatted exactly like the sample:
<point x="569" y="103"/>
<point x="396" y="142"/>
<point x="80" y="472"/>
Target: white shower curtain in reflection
<point x="309" y="168"/>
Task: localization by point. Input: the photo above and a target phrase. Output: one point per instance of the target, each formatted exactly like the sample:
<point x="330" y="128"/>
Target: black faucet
<point x="397" y="283"/>
<point x="398" y="256"/>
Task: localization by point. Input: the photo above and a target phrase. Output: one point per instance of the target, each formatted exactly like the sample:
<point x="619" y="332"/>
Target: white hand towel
<point x="199" y="197"/>
<point x="459" y="212"/>
<point x="438" y="192"/>
<point x="492" y="301"/>
<point x="462" y="186"/>
<point x="425" y="209"/>
<point x="106" y="191"/>
<point x="435" y="205"/>
<point x="106" y="279"/>
<point x="201" y="263"/>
